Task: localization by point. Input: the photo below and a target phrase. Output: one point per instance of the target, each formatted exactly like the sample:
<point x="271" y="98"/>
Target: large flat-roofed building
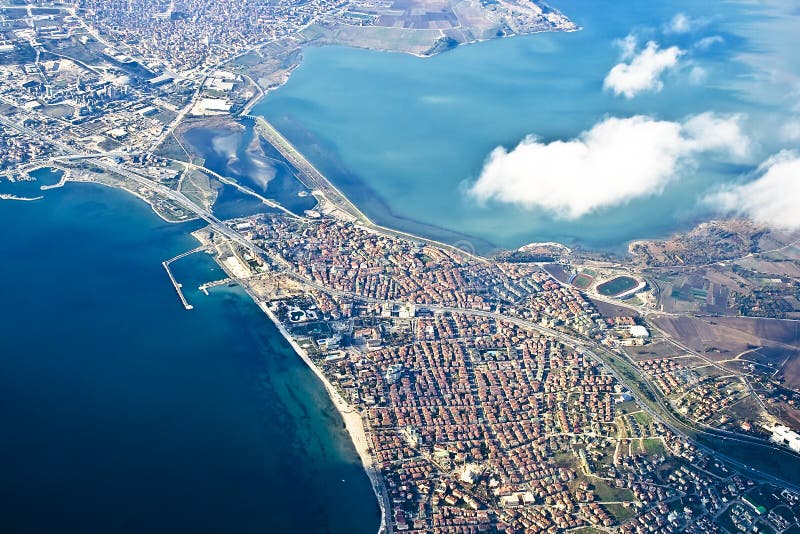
<point x="639" y="331"/>
<point x="784" y="435"/>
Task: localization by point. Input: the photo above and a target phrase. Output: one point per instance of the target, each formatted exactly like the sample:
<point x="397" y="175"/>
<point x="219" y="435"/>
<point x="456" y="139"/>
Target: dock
<point x="177" y="285"/>
<point x="208" y="285"/>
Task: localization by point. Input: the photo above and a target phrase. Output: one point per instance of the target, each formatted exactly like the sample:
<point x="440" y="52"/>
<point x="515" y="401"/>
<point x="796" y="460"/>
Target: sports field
<point x="582" y="281"/>
<point x="617" y="286"/>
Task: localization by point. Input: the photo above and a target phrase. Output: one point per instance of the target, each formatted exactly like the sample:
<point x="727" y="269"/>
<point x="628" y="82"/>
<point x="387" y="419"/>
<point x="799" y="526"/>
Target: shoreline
<point x="570" y="27"/>
<point x="353" y="421"/>
<point x="80" y="180"/>
<point x="358" y="415"/>
<point x="333" y="195"/>
<point x="65" y="177"/>
<point x="359" y="213"/>
<point x="621" y="251"/>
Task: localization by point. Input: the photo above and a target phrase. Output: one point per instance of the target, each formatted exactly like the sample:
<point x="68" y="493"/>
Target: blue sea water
<point x="405" y="137"/>
<point x="31" y="186"/>
<point x="122" y="412"/>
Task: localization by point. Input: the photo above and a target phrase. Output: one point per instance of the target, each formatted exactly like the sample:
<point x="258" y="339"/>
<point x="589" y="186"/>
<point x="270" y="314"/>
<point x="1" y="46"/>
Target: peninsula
<point x="540" y="390"/>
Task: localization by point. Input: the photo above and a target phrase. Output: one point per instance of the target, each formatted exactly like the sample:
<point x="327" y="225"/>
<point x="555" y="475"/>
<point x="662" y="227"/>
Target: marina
<point x="178" y="286"/>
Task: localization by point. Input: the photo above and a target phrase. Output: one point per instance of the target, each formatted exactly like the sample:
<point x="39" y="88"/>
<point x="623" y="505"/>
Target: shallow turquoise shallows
<point x="404" y="136"/>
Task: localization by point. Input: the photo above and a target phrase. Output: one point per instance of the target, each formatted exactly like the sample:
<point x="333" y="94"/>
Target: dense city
<point x="538" y="391"/>
<point x="479" y="409"/>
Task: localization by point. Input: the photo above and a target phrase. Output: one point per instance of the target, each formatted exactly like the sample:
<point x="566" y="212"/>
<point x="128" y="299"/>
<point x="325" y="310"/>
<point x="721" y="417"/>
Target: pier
<point x="66" y="173"/>
<point x="177" y="285"/>
<point x="208" y="285"/>
<point x="5" y="196"/>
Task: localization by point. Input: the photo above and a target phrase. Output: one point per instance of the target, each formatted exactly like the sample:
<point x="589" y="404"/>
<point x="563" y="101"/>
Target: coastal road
<point x="237" y="185"/>
<point x="102" y="160"/>
<point x="576" y="343"/>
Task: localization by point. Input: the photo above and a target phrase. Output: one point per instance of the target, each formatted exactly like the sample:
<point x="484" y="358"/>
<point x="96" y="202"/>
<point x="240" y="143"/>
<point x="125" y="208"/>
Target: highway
<point x="102" y="161"/>
<point x="113" y="167"/>
<point x="247" y="190"/>
<point x="664" y="414"/>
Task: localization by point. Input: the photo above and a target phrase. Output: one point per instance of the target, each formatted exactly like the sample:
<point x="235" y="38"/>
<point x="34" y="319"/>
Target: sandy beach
<point x="352" y="419"/>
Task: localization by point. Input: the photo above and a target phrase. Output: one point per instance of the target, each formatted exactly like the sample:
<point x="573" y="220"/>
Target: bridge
<point x="237" y="185"/>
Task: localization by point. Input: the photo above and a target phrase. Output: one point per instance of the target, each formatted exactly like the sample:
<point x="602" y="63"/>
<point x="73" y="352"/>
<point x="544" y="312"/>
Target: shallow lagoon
<point x="404" y="136"/>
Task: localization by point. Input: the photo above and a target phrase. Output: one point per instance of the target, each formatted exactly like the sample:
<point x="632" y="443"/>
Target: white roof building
<point x="639" y="331"/>
<point x="211" y="106"/>
<point x="787" y="437"/>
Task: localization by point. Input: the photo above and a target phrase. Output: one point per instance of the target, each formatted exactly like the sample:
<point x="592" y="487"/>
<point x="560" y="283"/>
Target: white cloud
<point x="707" y="42"/>
<point x="698" y="75"/>
<point x="627" y="46"/>
<point x="643" y="73"/>
<point x="771" y="198"/>
<point x="791" y="130"/>
<point x="615" y="161"/>
<point x="710" y="132"/>
<point x="682" y="23"/>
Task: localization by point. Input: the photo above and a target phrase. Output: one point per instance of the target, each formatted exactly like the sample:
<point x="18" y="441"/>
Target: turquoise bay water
<point x="226" y="153"/>
<point x="123" y="412"/>
<point x="404" y="137"/>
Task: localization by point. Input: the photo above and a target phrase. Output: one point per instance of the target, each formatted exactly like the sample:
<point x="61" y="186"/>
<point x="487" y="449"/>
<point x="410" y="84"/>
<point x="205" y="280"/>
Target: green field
<point x="689" y="294"/>
<point x="582" y="281"/>
<point x="617" y="286"/>
<point x="643" y="418"/>
<point x="604" y="492"/>
<point x="654" y="446"/>
<point x="620" y="513"/>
